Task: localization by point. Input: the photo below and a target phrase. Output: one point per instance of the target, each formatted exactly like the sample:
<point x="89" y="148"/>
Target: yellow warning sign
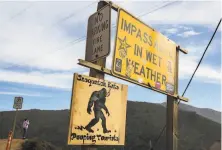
<point x="98" y="112"/>
<point x="144" y="55"/>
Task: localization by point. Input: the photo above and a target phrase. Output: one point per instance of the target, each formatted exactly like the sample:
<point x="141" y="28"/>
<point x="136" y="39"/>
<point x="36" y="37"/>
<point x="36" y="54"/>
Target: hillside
<point x="144" y="122"/>
<point x="205" y="112"/>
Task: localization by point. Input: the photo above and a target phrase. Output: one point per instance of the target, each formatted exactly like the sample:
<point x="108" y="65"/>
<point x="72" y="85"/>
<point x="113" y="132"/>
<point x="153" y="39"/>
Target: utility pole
<point x="172" y="114"/>
<point x="97" y="74"/>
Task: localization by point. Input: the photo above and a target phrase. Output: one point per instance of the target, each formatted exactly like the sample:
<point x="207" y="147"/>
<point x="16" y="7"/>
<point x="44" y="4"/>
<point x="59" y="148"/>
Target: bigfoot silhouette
<point x="98" y="98"/>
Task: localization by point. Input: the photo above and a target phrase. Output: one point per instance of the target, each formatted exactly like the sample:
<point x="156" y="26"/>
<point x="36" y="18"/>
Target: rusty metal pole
<point x="13" y="129"/>
<point x="172" y="115"/>
<point x="14" y="123"/>
<point x="9" y="141"/>
<point x="97" y="74"/>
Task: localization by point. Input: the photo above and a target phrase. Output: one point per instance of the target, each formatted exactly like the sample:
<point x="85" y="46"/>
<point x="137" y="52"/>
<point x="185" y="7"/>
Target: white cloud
<point x="184" y="27"/>
<point x="171" y="30"/>
<point x="187" y="12"/>
<point x="188" y="33"/>
<point x="56" y="80"/>
<point x="31" y="40"/>
<point x="205" y="73"/>
<point x="24" y="34"/>
<point x="47" y="51"/>
<point x="24" y="94"/>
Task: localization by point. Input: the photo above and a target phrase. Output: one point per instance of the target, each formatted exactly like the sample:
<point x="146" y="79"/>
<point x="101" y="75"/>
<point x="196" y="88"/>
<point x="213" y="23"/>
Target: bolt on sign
<point x="144" y="55"/>
<point x="98" y="112"/>
<point x="98" y="34"/>
<point x="18" y="103"/>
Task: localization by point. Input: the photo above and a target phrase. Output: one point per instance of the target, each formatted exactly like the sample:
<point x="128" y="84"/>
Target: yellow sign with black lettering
<point x="144" y="55"/>
<point x="98" y="112"/>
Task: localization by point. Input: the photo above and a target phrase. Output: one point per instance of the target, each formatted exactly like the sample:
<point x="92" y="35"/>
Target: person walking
<point x="25" y="126"/>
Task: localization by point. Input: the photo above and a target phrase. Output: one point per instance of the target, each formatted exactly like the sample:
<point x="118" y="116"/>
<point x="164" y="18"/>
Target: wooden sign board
<point x="97" y="112"/>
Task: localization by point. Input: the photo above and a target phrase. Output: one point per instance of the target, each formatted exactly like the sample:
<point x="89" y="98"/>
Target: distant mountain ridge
<point x="143" y="124"/>
<point x="205" y="112"/>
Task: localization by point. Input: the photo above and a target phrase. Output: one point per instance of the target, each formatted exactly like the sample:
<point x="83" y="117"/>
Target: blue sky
<point x="37" y="60"/>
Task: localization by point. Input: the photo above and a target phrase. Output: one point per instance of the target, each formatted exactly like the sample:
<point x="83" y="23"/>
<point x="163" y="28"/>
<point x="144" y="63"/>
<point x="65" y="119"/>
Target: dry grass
<point x="16" y="144"/>
<point x="216" y="146"/>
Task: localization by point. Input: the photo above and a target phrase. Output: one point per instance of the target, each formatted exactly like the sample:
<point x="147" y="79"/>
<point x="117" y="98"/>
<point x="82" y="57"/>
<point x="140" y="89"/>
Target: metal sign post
<point x="18" y="101"/>
<point x="14" y="123"/>
<point x="9" y="141"/>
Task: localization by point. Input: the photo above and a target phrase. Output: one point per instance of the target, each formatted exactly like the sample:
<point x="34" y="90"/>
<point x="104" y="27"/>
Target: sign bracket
<point x="107" y="71"/>
<point x="182" y="50"/>
<point x="113" y="6"/>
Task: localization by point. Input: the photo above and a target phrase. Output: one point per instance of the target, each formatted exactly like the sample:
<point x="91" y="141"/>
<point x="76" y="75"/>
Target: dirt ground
<point x="16" y="144"/>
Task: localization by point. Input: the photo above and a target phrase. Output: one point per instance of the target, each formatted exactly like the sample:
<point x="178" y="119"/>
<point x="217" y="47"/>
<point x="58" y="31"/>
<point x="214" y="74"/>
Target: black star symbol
<point x="123" y="44"/>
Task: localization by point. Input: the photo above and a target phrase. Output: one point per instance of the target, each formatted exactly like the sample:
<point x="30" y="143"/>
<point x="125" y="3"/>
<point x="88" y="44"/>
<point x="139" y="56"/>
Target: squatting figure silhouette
<point x="98" y="99"/>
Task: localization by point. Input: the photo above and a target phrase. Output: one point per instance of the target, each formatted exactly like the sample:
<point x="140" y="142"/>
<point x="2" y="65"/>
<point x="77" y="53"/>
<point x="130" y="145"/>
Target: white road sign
<point x="18" y="103"/>
<point x="98" y="35"/>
